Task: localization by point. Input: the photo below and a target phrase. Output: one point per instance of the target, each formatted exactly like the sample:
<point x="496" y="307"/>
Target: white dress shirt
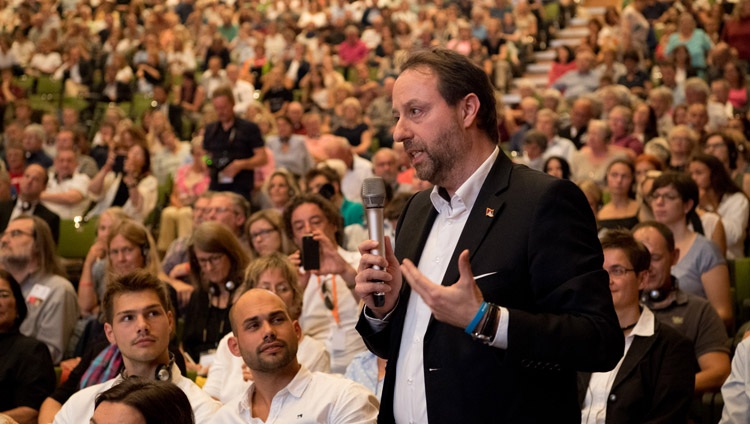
<point x="594" y="409"/>
<point x="310" y="398"/>
<point x="225" y="381"/>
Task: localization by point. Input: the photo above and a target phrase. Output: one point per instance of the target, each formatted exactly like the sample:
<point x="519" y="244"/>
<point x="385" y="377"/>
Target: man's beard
<point x="14" y="262"/>
<point x="441" y="156"/>
<point x="259" y="363"/>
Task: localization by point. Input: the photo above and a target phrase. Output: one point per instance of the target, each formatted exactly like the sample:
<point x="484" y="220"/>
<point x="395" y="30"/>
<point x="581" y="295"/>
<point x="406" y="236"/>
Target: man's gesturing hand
<point x="455" y="305"/>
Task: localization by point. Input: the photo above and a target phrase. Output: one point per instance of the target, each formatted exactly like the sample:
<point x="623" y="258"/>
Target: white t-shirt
<point x="80" y="407"/>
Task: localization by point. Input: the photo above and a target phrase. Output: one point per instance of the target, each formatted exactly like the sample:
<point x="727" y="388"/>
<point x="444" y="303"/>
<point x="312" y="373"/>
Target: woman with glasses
<point x="266" y="233"/>
<point x="700" y="268"/>
<point x="719" y="194"/>
<point x="229" y="376"/>
<point x="217" y="263"/>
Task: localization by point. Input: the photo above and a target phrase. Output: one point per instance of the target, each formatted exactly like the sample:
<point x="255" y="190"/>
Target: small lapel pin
<point x="490" y="212"/>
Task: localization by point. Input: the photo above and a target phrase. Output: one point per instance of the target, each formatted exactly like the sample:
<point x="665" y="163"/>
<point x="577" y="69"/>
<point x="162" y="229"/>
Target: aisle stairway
<point x="573" y="33"/>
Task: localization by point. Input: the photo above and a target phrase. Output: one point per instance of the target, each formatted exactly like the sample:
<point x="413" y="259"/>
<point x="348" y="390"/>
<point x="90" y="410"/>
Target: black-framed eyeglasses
<point x="619" y="271"/>
<point x="262" y="233"/>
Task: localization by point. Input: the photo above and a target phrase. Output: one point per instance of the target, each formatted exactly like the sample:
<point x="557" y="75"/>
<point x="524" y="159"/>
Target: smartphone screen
<point x="310" y="253"/>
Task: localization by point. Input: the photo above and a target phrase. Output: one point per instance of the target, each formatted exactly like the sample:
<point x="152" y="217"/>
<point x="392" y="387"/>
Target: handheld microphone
<point x="373" y="197"/>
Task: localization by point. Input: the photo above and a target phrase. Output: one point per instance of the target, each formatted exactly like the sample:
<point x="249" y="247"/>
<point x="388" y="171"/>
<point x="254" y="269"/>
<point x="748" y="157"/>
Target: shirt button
<point x="409" y="381"/>
<point x="417" y="340"/>
<point x="612" y="397"/>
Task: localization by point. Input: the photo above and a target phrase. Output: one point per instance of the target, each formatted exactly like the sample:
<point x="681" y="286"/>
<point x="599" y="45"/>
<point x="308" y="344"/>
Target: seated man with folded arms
<point x="283" y="391"/>
<point x="691" y="315"/>
<point x="653" y="381"/>
<point x="66" y="189"/>
<point x="138" y="319"/>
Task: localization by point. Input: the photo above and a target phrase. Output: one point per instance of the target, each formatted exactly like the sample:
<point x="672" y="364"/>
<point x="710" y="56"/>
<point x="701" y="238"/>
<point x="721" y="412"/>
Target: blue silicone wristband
<point x="480" y="313"/>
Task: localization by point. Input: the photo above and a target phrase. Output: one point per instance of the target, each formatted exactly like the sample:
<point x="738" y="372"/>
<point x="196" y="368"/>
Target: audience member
<point x="145" y="401"/>
<point x="652" y="381"/>
<point x="691" y="315"/>
<point x="26" y="372"/>
<point x="234" y="146"/>
<point x="229" y="377"/>
<point x="65" y="194"/>
<point x="27" y="252"/>
<point x="330" y="309"/>
<point x="289" y="150"/>
<point x="32" y="184"/>
<point x="266" y="338"/>
<point x="138" y="319"/>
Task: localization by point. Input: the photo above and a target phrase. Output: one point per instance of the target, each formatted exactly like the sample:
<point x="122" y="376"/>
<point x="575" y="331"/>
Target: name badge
<point x="38" y="294"/>
<point x="338" y="339"/>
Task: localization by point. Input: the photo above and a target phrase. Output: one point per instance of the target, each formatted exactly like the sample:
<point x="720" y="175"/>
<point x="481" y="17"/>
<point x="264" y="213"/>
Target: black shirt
<point x="224" y="146"/>
<point x="27" y="375"/>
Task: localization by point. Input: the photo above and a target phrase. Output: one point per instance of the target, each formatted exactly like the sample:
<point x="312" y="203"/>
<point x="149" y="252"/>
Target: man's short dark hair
<point x="225" y="91"/>
<point x="665" y="232"/>
<point x="329" y="210"/>
<point x="159" y="402"/>
<point x="638" y="255"/>
<point x="134" y="282"/>
<point x="328" y="173"/>
<point x="458" y="77"/>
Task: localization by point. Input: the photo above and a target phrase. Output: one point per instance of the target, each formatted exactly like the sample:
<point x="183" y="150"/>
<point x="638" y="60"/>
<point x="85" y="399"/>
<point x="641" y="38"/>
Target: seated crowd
<point x="207" y="142"/>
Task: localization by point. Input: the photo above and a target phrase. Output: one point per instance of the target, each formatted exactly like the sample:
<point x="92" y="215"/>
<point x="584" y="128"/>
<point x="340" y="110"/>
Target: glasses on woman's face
<point x="619" y="271"/>
<point x="262" y="234"/>
<point x="213" y="260"/>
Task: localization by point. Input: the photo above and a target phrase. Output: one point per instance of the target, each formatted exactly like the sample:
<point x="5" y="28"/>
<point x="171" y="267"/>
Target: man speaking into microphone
<point x="495" y="295"/>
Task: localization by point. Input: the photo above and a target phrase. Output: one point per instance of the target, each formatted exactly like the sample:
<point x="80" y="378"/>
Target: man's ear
<point x="469" y="109"/>
<point x="642" y="279"/>
<point x="109" y="332"/>
<point x="234" y="346"/>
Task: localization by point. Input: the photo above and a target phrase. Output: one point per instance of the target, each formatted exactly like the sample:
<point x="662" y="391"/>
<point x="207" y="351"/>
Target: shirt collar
<point x="645" y="325"/>
<point x="296" y="388"/>
<point x="467" y="193"/>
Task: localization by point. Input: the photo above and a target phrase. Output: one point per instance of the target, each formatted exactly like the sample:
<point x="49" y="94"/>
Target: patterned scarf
<point x="104" y="367"/>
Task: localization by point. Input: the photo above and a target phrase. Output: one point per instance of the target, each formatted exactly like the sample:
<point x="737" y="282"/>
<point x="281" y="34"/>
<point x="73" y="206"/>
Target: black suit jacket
<point x="566" y="132"/>
<point x="655" y="382"/>
<point x="6" y="208"/>
<point x="535" y="239"/>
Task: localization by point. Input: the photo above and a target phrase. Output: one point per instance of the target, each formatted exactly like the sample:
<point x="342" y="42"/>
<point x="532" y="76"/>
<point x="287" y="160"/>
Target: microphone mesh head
<point x="373" y="192"/>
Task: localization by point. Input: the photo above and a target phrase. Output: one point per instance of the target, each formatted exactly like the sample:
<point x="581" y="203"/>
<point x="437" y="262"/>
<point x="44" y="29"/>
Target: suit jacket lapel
<point x="484" y="214"/>
<point x="638" y="349"/>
